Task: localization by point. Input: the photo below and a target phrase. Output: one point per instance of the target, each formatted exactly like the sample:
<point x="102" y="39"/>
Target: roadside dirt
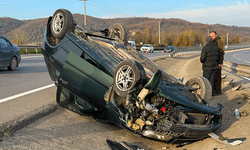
<point x="64" y="129"/>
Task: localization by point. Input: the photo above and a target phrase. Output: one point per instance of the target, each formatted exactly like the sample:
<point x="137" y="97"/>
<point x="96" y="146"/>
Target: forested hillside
<point x="173" y="31"/>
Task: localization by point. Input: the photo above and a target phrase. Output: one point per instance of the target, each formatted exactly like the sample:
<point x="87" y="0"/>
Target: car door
<point x="85" y="80"/>
<point x="6" y="52"/>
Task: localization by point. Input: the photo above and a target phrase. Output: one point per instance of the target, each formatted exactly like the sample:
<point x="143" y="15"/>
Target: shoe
<point x="216" y="94"/>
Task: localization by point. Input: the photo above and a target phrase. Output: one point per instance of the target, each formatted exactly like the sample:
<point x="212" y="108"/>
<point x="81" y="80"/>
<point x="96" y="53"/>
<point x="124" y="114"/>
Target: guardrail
<point x="199" y="48"/>
<point x="243" y="70"/>
<point x="26" y="47"/>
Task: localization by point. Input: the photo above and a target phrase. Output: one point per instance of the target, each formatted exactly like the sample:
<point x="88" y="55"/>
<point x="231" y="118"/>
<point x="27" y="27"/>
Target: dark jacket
<point x="210" y="57"/>
<point x="220" y="44"/>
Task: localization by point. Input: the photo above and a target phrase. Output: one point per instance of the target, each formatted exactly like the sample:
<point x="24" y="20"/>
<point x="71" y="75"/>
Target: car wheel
<point x="62" y="21"/>
<point x="202" y="86"/>
<point x="119" y="31"/>
<point x="13" y="64"/>
<point x="127" y="74"/>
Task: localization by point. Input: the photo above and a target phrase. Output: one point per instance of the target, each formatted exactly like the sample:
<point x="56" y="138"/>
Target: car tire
<point x="13" y="64"/>
<point x="205" y="89"/>
<point x="61" y="22"/>
<point x="119" y="31"/>
<point x="127" y="75"/>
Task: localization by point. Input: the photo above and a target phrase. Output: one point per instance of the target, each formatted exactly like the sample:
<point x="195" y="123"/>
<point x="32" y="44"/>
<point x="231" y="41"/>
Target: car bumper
<point x="145" y="50"/>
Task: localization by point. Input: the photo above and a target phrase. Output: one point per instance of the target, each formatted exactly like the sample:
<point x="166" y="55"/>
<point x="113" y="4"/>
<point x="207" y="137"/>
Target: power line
<point x="107" y="8"/>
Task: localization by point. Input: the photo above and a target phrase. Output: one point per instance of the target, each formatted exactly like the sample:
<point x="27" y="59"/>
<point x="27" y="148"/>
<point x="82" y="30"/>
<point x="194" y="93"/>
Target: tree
<point x="235" y="40"/>
<point x="147" y="36"/>
<point x="168" y="38"/>
<point x="138" y="37"/>
<point x="199" y="38"/>
<point x="155" y="40"/>
<point x="223" y="39"/>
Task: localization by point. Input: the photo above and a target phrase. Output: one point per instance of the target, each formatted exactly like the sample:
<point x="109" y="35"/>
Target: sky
<point x="226" y="12"/>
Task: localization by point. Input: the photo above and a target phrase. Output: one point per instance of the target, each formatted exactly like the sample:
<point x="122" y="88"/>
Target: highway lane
<point x="31" y="74"/>
<point x="239" y="57"/>
<point x="155" y="54"/>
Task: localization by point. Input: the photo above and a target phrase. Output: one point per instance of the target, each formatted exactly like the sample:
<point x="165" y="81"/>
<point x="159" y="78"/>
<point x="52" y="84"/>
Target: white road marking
<point x="238" y="58"/>
<point x="158" y="56"/>
<point x="25" y="93"/>
<point x="247" y="61"/>
<point x="245" y="78"/>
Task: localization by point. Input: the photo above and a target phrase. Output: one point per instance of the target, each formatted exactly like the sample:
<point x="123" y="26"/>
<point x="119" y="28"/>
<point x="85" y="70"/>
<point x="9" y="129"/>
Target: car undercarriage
<point x="98" y="74"/>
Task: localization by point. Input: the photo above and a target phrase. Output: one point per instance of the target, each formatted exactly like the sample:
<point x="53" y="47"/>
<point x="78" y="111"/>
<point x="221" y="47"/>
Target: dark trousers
<point x="210" y="75"/>
<point x="217" y="82"/>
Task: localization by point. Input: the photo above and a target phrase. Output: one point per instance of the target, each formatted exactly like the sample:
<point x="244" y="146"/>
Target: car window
<point x="8" y="44"/>
<point x="3" y="43"/>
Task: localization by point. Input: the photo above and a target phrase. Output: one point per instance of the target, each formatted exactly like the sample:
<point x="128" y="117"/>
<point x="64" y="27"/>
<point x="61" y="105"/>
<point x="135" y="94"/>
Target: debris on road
<point x="229" y="82"/>
<point x="223" y="76"/>
<point x="121" y="145"/>
<point x="225" y="141"/>
<point x="237" y="87"/>
<point x="244" y="113"/>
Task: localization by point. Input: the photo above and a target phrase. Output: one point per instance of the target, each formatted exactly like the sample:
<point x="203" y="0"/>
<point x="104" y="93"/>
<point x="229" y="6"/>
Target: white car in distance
<point x="147" y="48"/>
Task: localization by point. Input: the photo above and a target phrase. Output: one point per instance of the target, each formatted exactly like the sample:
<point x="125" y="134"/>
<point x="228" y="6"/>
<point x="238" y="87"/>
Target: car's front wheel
<point x="62" y="21"/>
<point x="13" y="64"/>
<point x="201" y="87"/>
<point x="127" y="75"/>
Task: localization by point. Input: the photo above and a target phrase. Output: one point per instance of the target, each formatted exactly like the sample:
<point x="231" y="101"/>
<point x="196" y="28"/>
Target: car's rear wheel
<point x="62" y="21"/>
<point x="13" y="64"/>
<point x="201" y="87"/>
<point x="119" y="31"/>
<point x="128" y="74"/>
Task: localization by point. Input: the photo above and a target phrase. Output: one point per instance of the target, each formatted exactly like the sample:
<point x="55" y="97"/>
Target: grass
<point x="6" y="132"/>
<point x="30" y="51"/>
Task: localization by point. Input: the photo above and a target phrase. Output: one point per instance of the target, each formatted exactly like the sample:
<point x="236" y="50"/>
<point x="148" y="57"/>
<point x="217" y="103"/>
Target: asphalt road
<point x="31" y="74"/>
<point x="155" y="54"/>
<point x="239" y="57"/>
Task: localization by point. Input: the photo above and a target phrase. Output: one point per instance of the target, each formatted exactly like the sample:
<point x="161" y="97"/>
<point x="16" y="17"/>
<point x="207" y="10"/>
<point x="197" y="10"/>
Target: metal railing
<point x="29" y="47"/>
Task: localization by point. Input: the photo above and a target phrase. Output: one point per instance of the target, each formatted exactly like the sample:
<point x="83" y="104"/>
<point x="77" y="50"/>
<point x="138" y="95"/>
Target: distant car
<point x="9" y="54"/>
<point x="169" y="49"/>
<point x="132" y="44"/>
<point x="147" y="48"/>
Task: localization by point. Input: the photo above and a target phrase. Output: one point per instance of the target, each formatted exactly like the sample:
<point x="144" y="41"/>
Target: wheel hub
<point x="58" y="23"/>
<point x="125" y="78"/>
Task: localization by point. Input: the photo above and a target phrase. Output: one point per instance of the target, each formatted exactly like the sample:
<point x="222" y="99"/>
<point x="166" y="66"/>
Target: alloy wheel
<point x="125" y="78"/>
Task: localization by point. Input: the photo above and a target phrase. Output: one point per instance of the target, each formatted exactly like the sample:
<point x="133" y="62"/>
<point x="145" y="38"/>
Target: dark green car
<point x="98" y="74"/>
<point x="9" y="54"/>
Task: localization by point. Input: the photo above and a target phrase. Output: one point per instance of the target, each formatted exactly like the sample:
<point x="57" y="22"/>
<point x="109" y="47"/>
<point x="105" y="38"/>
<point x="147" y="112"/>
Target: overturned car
<point x="98" y="74"/>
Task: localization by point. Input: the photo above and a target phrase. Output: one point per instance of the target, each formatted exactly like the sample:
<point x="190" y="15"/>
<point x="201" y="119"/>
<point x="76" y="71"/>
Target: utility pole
<point x="159" y="32"/>
<point x="207" y="32"/>
<point x="227" y="38"/>
<point x="85" y="20"/>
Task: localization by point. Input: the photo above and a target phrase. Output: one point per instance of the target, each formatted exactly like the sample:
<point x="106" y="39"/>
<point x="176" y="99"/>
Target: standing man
<point x="209" y="59"/>
<point x="217" y="81"/>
